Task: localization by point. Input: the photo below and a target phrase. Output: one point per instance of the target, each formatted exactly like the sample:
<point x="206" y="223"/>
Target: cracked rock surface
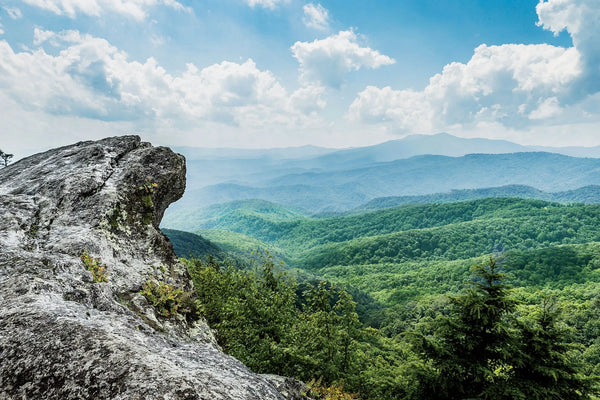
<point x="64" y="336"/>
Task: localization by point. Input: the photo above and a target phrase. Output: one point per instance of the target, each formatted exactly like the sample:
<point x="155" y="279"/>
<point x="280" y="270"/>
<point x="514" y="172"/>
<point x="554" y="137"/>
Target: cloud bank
<point x="516" y="86"/>
<point x="89" y="77"/>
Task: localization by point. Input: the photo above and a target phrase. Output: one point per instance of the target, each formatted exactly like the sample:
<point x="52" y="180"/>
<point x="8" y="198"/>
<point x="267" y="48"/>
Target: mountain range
<point x="317" y="180"/>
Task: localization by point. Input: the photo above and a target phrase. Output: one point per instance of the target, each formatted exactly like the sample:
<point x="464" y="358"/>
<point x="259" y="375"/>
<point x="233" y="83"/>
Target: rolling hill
<point x="332" y="180"/>
<point x="338" y="191"/>
<point x="587" y="195"/>
<point x="402" y="253"/>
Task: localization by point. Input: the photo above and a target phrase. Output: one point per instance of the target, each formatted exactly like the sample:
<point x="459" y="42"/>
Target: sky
<point x="280" y="73"/>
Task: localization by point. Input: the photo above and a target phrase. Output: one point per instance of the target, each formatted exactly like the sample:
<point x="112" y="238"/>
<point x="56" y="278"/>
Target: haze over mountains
<point x="316" y="180"/>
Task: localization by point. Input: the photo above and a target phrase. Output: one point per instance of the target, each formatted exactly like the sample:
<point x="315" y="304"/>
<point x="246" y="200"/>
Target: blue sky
<point x="272" y="73"/>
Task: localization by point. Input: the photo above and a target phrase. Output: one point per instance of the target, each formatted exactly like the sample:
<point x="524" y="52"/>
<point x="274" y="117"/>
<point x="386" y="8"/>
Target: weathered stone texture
<point x="62" y="336"/>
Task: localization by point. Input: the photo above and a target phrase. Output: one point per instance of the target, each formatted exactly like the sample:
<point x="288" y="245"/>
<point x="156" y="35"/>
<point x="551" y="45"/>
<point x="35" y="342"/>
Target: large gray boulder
<point x="64" y="336"/>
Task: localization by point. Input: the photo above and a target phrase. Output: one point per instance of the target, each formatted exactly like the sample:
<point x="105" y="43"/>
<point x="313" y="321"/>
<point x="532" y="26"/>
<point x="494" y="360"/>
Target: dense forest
<point x="495" y="298"/>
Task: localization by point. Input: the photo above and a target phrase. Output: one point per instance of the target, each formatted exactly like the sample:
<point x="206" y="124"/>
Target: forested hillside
<point x="307" y="329"/>
<point x="399" y="264"/>
<point x="588" y="195"/>
<point x="500" y="224"/>
<point x="380" y="254"/>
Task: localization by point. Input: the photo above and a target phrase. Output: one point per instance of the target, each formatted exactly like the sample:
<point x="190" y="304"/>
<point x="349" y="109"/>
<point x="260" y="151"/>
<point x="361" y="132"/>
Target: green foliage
<point x="334" y="392"/>
<point x="94" y="265"/>
<point x="555" y="267"/>
<point x="469" y="347"/>
<point x="262" y="321"/>
<point x="462" y="240"/>
<point x="479" y="349"/>
<point x="420" y="232"/>
<point x="546" y="367"/>
<point x="192" y="245"/>
<point x="405" y="267"/>
<point x="169" y="300"/>
<point x="146" y="190"/>
<point x="241" y="245"/>
<point x="251" y="310"/>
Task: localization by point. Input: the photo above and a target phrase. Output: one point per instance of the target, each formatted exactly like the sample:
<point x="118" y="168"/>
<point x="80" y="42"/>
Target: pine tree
<point x="546" y="368"/>
<point x="481" y="351"/>
<point x="466" y="352"/>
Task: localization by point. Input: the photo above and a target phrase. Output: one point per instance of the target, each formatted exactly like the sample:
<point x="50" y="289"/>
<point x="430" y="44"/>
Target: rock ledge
<point x="64" y="336"/>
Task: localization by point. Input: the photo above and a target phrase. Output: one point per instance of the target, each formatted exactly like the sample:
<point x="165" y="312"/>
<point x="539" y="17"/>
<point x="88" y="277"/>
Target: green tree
<point x="480" y="350"/>
<point x="546" y="368"/>
<point x="466" y="351"/>
<point x="251" y="310"/>
<point x="330" y="314"/>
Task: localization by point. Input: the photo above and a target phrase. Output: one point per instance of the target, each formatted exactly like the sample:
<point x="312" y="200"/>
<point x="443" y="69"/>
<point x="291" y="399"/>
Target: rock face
<point x="65" y="336"/>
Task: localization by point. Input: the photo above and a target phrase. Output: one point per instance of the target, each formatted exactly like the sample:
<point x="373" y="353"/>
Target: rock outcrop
<point x="66" y="334"/>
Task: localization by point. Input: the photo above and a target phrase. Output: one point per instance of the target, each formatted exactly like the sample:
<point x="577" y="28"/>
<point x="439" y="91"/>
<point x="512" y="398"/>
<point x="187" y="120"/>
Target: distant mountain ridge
<point x="319" y="180"/>
<point x="409" y="146"/>
<point x="210" y="166"/>
<point x="239" y="212"/>
<point x="587" y="195"/>
<point x="344" y="190"/>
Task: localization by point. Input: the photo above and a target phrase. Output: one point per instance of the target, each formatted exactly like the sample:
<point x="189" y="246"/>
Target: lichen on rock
<point x="65" y="334"/>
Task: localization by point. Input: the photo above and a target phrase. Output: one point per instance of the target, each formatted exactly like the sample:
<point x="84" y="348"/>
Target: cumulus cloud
<point x="308" y="99"/>
<point x="581" y="18"/>
<point x="500" y="83"/>
<point x="513" y="85"/>
<point x="137" y="9"/>
<point x="91" y="78"/>
<point x="271" y="4"/>
<point x="316" y="17"/>
<point x="327" y="61"/>
<point x="13" y="12"/>
<point x="547" y="109"/>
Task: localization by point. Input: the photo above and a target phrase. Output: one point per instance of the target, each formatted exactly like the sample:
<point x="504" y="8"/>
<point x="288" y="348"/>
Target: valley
<point x="403" y="236"/>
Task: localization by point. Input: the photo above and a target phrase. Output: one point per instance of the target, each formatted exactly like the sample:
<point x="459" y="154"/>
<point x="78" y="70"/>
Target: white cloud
<point x="500" y="83"/>
<point x="547" y="109"/>
<point x="581" y="18"/>
<point x="316" y="17"/>
<point x="308" y="99"/>
<point x="91" y="78"/>
<point x="407" y="109"/>
<point x="517" y="86"/>
<point x="137" y="9"/>
<point x="327" y="61"/>
<point x="13" y="12"/>
<point x="40" y="36"/>
<point x="158" y="40"/>
<point x="271" y="4"/>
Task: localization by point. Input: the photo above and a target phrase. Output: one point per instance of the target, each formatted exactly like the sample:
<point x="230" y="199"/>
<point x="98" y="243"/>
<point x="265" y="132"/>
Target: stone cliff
<point x="67" y="334"/>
